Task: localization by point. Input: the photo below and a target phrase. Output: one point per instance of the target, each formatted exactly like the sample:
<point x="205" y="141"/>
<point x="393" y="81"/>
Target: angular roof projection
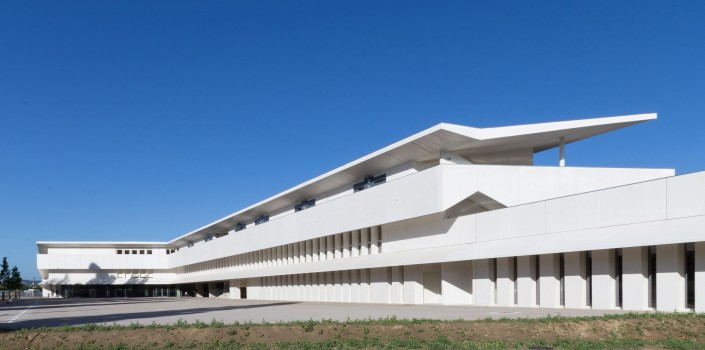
<point x="426" y="146"/>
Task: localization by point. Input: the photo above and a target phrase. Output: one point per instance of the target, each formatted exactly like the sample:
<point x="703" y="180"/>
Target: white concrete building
<point x="451" y="215"/>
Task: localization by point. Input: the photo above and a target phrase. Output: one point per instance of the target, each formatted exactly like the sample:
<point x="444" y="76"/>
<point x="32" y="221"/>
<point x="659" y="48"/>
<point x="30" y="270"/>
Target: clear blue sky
<point x="133" y="120"/>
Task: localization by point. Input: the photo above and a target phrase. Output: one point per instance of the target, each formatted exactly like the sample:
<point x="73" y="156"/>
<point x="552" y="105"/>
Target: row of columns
<point x="573" y="280"/>
<point x="361" y="242"/>
<point x="531" y="281"/>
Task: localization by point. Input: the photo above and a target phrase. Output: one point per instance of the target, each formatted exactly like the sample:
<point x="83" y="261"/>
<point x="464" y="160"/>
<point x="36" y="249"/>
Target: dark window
<point x="119" y="251"/>
<point x="305" y="204"/>
<point x="240" y="226"/>
<point x="134" y="251"/>
<point x="149" y="251"/>
<point x="208" y="238"/>
<point x="262" y="219"/>
<point x="370" y="181"/>
<point x="127" y="251"/>
<point x="141" y="251"/>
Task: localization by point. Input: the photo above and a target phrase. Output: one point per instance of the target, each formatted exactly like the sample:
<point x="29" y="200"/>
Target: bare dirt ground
<point x="365" y="334"/>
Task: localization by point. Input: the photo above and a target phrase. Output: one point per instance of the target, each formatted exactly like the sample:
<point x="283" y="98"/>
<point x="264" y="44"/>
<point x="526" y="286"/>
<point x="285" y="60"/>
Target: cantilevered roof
<point x="425" y="146"/>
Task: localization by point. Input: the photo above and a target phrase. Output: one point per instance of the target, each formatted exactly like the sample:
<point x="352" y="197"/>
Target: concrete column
<point x="575" y="280"/>
<point x="338" y="246"/>
<point x="561" y="145"/>
<point x="604" y="285"/>
<point x="330" y="286"/>
<point x="700" y="277"/>
<point x="330" y="248"/>
<point x="355" y="286"/>
<point x="397" y="285"/>
<point x="374" y="237"/>
<point x="314" y="250"/>
<point x="322" y="286"/>
<point x="347" y="289"/>
<point x="484" y="282"/>
<point x="549" y="281"/>
<point x="346" y="244"/>
<point x="355" y="242"/>
<point x="234" y="289"/>
<point x="380" y="288"/>
<point x="324" y="248"/>
<point x="337" y="275"/>
<point x="635" y="278"/>
<point x="670" y="277"/>
<point x="505" y="282"/>
<point x="456" y="282"/>
<point x="314" y="287"/>
<point x="364" y="250"/>
<point x="526" y="281"/>
<point x="365" y="291"/>
<point x="413" y="286"/>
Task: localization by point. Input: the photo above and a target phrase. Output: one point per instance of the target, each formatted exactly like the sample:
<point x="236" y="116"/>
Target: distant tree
<point x="4" y="272"/>
<point x="15" y="279"/>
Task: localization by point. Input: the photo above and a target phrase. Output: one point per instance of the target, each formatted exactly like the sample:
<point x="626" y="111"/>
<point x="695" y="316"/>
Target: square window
<point x="142" y="251"/>
<point x="119" y="251"/>
<point x="127" y="251"/>
<point x="149" y="251"/>
<point x="134" y="251"/>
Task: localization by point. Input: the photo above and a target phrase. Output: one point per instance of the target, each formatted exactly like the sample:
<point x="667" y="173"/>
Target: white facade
<point x="451" y="215"/>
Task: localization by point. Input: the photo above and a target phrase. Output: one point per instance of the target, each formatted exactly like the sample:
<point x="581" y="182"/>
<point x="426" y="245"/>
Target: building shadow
<point x="96" y="319"/>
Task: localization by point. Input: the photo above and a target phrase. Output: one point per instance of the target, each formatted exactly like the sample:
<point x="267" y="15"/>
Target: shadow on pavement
<point x="79" y="302"/>
<point x="94" y="319"/>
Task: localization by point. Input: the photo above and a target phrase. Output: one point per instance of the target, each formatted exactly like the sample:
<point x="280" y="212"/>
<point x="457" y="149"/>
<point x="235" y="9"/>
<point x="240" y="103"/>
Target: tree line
<point x="9" y="279"/>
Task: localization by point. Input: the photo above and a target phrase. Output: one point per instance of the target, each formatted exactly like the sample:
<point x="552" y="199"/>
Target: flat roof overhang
<point x="426" y="146"/>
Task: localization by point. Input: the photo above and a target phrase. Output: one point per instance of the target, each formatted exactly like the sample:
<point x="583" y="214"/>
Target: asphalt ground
<point x="31" y="313"/>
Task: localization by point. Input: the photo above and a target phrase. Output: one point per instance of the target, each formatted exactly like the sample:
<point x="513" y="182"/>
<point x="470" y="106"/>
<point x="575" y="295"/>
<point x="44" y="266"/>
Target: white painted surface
<point x="575" y="280"/>
<point x="670" y="278"/>
<point x="635" y="278"/>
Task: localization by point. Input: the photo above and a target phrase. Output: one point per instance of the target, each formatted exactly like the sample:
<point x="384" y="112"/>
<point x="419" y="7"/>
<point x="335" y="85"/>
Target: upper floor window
<point x="305" y="204"/>
<point x="262" y="219"/>
<point x="370" y="181"/>
<point x="119" y="251"/>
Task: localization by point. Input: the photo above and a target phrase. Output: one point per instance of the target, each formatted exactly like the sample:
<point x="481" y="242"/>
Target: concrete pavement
<point x="29" y="313"/>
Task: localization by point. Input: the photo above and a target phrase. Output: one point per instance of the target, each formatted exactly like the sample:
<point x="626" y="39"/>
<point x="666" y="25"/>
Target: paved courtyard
<point x="56" y="312"/>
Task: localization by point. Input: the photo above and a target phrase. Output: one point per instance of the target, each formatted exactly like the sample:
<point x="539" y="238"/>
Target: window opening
<point x="262" y="219"/>
<point x="370" y="181"/>
<point x="305" y="204"/>
<point x="652" y="276"/>
<point x="690" y="275"/>
<point x="618" y="275"/>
